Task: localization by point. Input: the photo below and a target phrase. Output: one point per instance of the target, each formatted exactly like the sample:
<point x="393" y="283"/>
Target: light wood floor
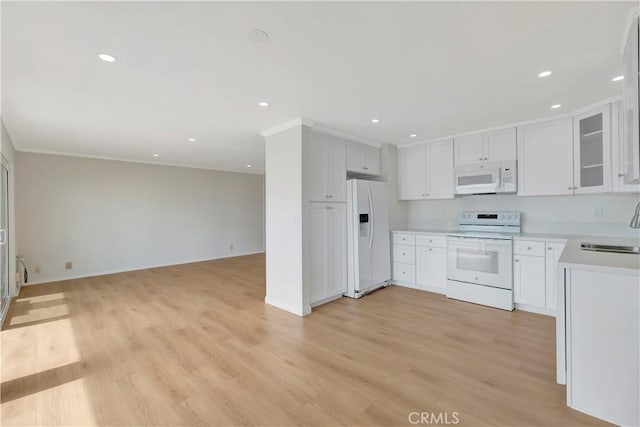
<point x="196" y="345"/>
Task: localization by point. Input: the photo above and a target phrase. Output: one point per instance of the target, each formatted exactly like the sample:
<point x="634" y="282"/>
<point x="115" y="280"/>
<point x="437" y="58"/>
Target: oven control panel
<point x="503" y="218"/>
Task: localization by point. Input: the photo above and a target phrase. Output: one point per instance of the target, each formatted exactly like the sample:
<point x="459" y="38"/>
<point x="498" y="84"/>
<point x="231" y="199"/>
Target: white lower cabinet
<point x="327" y="251"/>
<point x="534" y="275"/>
<point x="431" y="267"/>
<point x="420" y="261"/>
<point x="529" y="280"/>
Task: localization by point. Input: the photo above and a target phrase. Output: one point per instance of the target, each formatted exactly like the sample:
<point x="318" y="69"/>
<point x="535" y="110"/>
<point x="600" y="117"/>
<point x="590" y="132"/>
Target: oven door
<point x="482" y="261"/>
<point x="477" y="180"/>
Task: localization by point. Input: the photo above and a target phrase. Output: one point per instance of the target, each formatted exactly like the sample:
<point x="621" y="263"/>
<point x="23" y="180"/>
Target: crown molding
<point x="516" y="124"/>
<point x="119" y="159"/>
<point x="299" y="121"/>
<point x="340" y="134"/>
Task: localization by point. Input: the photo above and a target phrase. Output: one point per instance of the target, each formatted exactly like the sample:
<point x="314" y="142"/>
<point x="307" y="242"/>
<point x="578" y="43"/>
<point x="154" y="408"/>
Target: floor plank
<point x="195" y="344"/>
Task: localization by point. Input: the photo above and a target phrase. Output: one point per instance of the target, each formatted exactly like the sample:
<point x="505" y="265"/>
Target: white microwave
<point x="486" y="178"/>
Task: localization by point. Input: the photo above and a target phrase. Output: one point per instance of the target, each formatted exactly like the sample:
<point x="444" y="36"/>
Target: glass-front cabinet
<point x="592" y="151"/>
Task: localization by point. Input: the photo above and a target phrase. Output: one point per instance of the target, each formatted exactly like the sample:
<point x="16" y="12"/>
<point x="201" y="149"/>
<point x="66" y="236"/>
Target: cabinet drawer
<point x="433" y="241"/>
<point x="404" y="253"/>
<point x="404" y="239"/>
<point x="404" y="272"/>
<point x="526" y="247"/>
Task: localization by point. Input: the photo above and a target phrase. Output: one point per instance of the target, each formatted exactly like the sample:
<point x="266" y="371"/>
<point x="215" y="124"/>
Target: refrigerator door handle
<point x="371" y="227"/>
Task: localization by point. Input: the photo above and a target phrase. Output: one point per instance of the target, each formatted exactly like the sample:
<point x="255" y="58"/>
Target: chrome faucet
<point x="635" y="219"/>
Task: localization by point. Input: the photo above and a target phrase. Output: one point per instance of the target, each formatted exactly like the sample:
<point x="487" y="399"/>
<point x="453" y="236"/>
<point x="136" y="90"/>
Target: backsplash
<point x="595" y="214"/>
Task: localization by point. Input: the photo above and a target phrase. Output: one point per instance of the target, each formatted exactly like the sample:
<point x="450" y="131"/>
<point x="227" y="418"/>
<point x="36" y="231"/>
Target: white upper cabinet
<point x="545" y="158"/>
<point x="493" y="146"/>
<point x="412" y="172"/>
<point x="592" y="151"/>
<point x="425" y="171"/>
<point x="631" y="114"/>
<point x="618" y="153"/>
<point x="363" y="159"/>
<point x="440" y="181"/>
<point x="500" y="145"/>
<point x="469" y="149"/>
<point x="326" y="168"/>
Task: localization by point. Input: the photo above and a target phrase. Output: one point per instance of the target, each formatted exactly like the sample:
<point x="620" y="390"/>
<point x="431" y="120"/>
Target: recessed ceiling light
<point x="554" y="106"/>
<point x="617" y="78"/>
<point x="106" y="57"/>
<point x="546" y="73"/>
<point x="191" y="139"/>
<point x="263" y="104"/>
<point x="258" y="36"/>
<point x="375" y="120"/>
<point x="249" y="166"/>
<point x="413" y="135"/>
<point x="156" y="155"/>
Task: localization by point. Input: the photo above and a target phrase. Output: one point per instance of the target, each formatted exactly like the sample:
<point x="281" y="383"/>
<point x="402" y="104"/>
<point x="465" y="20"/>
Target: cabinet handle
<point x="569" y="188"/>
<point x="620" y="175"/>
<point x="575" y="188"/>
<point x="430" y="249"/>
<point x="528" y="248"/>
<point x="516" y="260"/>
<point x="486" y="158"/>
<point x="549" y="249"/>
<point x="480" y="158"/>
<point x="365" y="168"/>
<point x="329" y="207"/>
<point x="403" y="253"/>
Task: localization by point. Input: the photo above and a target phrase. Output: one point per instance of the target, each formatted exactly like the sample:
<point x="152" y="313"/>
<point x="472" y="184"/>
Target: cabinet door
<point x="370" y="160"/>
<point x="469" y="149"/>
<point x="317" y="251"/>
<point x="412" y="178"/>
<point x="545" y="158"/>
<point x="618" y="153"/>
<point x="336" y="249"/>
<point x="431" y="267"/>
<point x="500" y="145"/>
<point x="592" y="151"/>
<point x="316" y="165"/>
<point x="528" y="280"/>
<point x="551" y="263"/>
<point x="631" y="108"/>
<point x="354" y="157"/>
<point x="440" y="170"/>
<point x="336" y="169"/>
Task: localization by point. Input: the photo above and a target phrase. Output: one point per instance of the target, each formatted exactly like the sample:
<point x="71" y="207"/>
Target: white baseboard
<point x="326" y="300"/>
<point x="426" y="288"/>
<point x="299" y="311"/>
<point x="534" y="309"/>
<point x="116" y="271"/>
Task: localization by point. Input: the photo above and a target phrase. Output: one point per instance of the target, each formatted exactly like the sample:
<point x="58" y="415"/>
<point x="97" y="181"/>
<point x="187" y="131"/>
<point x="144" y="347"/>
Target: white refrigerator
<point x="368" y="247"/>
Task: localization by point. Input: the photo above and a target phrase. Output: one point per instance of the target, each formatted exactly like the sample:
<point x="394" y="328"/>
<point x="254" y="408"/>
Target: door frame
<point x="10" y="239"/>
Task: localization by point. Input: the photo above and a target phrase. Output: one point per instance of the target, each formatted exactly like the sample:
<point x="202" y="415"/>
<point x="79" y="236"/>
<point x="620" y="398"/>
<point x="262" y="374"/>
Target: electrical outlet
<point x="68" y="265"/>
<point x="598" y="212"/>
<point x="36" y="269"/>
<point x="231" y="248"/>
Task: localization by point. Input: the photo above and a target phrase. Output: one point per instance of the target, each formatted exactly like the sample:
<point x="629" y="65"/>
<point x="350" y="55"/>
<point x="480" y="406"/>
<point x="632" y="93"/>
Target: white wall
<point x="598" y="214"/>
<point x="8" y="151"/>
<point x="107" y="216"/>
<point x="283" y="218"/>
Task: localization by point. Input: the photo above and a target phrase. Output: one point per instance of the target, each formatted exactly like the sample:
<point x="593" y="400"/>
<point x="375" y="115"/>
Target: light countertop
<point x="431" y="231"/>
<point x="574" y="257"/>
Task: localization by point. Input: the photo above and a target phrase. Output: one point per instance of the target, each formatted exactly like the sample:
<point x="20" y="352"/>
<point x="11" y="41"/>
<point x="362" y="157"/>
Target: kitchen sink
<point x="621" y="249"/>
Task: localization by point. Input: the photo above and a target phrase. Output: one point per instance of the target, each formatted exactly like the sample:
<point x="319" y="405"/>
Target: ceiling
<point x="189" y="70"/>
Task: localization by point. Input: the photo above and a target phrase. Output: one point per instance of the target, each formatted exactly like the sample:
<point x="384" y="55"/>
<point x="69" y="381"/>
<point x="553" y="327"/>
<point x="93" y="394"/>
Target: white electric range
<point x="480" y="258"/>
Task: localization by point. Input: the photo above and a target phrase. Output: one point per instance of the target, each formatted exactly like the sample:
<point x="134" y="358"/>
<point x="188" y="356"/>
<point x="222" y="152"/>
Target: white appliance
<point x="368" y="247"/>
<point x="486" y="178"/>
<point x="480" y="258"/>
